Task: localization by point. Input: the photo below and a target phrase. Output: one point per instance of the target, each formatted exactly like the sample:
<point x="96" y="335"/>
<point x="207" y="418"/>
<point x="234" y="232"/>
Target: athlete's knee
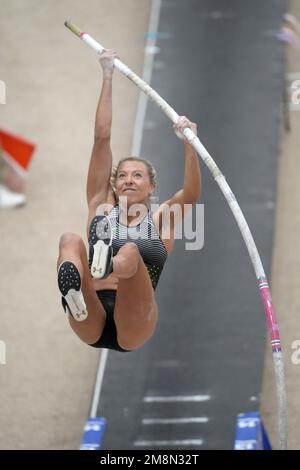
<point x="131" y="249"/>
<point x="133" y="256"/>
<point x="125" y="263"/>
<point x="68" y="239"/>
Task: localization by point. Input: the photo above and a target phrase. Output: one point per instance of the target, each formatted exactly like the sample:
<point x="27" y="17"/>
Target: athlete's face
<point x="133" y="182"/>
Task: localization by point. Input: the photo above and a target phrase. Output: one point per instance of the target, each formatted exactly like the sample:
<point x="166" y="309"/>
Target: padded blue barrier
<point x="250" y="433"/>
<point x="93" y="434"/>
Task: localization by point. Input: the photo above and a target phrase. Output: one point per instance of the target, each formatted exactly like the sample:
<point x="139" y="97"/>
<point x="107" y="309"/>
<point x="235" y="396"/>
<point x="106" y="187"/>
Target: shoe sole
<point x="69" y="284"/>
<point x="100" y="258"/>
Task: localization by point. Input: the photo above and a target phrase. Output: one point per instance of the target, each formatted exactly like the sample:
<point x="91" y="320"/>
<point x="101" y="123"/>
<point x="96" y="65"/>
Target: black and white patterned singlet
<point x="144" y="235"/>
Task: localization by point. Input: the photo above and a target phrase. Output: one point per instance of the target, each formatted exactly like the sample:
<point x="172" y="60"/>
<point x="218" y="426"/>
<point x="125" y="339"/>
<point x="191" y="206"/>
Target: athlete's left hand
<point x="181" y="124"/>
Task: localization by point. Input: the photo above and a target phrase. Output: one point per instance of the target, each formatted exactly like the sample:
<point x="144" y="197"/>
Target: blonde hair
<point x="149" y="166"/>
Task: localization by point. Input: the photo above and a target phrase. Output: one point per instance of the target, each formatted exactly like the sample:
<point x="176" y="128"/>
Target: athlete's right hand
<point x="106" y="60"/>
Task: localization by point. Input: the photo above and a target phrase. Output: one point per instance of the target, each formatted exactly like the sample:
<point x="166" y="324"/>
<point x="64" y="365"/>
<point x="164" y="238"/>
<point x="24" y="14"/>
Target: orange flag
<point x="16" y="150"/>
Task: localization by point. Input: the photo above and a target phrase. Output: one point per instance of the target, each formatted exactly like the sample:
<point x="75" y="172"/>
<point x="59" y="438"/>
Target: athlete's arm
<point x="98" y="181"/>
<point x="190" y="193"/>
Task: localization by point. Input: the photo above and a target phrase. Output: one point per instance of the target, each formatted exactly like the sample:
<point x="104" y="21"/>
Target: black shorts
<point x="108" y="338"/>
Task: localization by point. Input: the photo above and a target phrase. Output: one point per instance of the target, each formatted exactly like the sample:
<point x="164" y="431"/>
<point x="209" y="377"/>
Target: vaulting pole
<point x="240" y="219"/>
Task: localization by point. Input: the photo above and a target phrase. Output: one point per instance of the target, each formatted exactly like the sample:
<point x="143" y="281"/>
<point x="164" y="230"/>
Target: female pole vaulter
<point x="110" y="297"/>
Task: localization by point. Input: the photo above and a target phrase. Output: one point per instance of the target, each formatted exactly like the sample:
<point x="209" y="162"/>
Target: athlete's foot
<point x="69" y="283"/>
<point x="101" y="252"/>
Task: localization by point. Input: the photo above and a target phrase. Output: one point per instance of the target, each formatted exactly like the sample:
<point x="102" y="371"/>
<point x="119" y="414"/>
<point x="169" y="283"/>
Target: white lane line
<point x="98" y="383"/>
<point x="184" y="398"/>
<point x="175" y="442"/>
<point x="199" y="419"/>
<point x="292" y="76"/>
<point x="294" y="107"/>
<point x="150" y="50"/>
